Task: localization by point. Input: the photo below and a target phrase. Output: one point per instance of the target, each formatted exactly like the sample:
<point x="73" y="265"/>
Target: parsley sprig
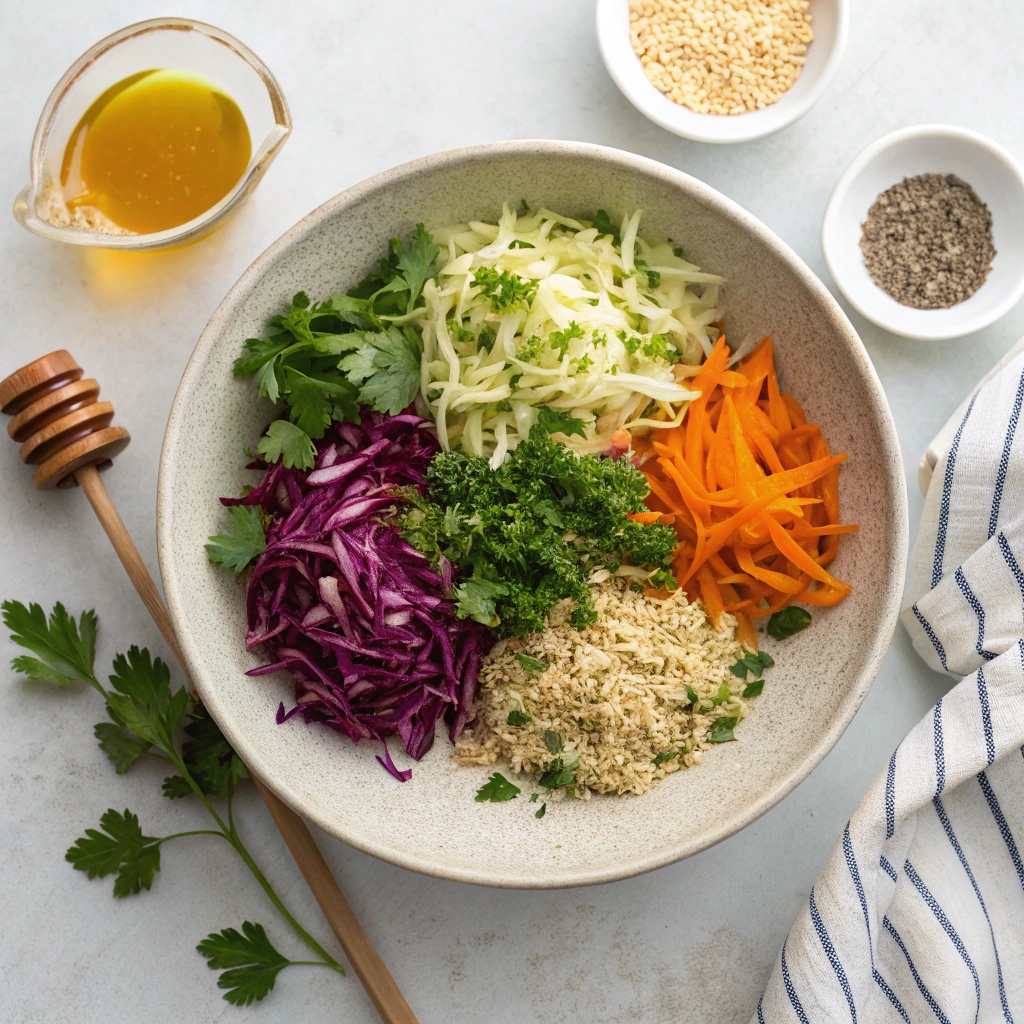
<point x="146" y="715"/>
<point x="322" y="360"/>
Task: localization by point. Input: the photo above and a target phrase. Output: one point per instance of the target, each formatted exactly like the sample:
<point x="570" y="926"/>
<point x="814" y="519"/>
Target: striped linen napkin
<point x="919" y="913"/>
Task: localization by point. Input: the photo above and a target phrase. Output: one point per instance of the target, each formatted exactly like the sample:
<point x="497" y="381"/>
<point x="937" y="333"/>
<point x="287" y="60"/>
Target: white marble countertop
<point x="372" y="85"/>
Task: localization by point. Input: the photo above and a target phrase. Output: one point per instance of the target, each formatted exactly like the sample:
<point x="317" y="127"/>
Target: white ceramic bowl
<point x="938" y="149"/>
<point x="432" y="823"/>
<point x="830" y="22"/>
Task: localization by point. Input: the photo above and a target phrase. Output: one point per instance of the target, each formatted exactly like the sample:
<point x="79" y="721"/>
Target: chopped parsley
<point x="753" y="689"/>
<point x="790" y="620"/>
<point x="505" y="289"/>
<point x="553" y="742"/>
<point x="542" y="810"/>
<point x="721" y="730"/>
<point x="531" y="664"/>
<point x="243" y="542"/>
<point x="503" y="529"/>
<point x="518" y="717"/>
<point x="666" y="755"/>
<point x="604" y="226"/>
<point x="558" y="773"/>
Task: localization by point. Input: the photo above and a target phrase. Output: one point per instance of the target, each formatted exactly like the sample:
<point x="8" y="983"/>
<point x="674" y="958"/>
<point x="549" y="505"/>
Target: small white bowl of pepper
<point x="924" y="232"/>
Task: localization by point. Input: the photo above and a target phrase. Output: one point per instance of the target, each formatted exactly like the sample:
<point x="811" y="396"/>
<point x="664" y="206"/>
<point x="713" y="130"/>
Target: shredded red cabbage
<point x="355" y="613"/>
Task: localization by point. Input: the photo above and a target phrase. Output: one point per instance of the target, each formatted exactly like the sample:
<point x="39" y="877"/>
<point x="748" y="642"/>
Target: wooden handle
<point x="365" y="960"/>
<point x="91" y="482"/>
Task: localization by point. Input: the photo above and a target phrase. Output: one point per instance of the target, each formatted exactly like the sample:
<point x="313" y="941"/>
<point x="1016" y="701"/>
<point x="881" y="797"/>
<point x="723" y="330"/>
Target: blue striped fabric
<point x="918" y="915"/>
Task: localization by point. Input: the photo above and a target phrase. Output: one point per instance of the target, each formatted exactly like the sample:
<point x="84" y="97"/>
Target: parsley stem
<point x="328" y="960"/>
<point x="196" y="832"/>
<point x="229" y="833"/>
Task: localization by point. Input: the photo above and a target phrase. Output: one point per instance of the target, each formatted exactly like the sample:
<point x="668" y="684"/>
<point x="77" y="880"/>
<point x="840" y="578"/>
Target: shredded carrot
<point x="754" y="491"/>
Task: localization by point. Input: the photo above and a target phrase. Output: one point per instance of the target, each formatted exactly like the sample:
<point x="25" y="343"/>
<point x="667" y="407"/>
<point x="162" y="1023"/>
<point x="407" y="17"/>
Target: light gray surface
<point x="372" y="85"/>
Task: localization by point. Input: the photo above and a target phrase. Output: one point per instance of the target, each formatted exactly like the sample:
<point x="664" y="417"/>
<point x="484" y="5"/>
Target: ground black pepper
<point x="928" y="241"/>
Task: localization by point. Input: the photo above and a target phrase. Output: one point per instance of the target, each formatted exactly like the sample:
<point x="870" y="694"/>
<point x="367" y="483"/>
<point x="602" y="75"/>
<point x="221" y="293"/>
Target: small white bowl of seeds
<point x="922" y="234"/>
<point x="717" y="71"/>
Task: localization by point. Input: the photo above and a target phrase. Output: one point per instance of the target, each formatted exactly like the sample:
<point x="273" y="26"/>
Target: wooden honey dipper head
<point x="58" y="420"/>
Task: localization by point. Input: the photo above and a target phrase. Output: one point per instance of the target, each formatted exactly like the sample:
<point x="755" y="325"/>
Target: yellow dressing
<point x="156" y="150"/>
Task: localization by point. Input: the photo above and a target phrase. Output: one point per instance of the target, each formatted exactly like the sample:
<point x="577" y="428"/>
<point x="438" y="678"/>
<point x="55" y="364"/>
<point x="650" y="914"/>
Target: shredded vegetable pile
<point x="354" y="612"/>
<point x="753" y="492"/>
<point x="543" y="311"/>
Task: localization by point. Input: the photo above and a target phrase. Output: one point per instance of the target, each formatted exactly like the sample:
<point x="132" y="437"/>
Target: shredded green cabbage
<point x="543" y="310"/>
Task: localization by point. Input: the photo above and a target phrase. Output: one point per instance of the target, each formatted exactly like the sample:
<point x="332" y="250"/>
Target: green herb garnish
<point x="325" y="358"/>
<point x="558" y="421"/>
<point x="604" y="226"/>
<point x="497" y="789"/>
<point x="721" y="730"/>
<point x="558" y="773"/>
<point x="787" y="622"/>
<point x="753" y="689"/>
<point x="666" y="755"/>
<point x="541" y="811"/>
<point x="752" y="664"/>
<point x="243" y="541"/>
<point x="503" y="529"/>
<point x="518" y="718"/>
<point x="505" y="289"/>
<point x="553" y="742"/>
<point x="531" y="664"/>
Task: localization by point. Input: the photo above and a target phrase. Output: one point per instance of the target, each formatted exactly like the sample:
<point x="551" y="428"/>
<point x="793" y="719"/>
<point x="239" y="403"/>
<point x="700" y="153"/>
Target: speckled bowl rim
<point x="175" y="589"/>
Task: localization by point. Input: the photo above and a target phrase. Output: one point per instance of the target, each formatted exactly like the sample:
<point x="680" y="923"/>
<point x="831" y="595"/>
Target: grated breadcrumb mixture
<point x="721" y="56"/>
<point x="615" y="693"/>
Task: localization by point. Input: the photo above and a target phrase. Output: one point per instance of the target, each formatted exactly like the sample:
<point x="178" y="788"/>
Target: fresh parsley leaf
<point x="243" y="542"/>
<point x="558" y="421"/>
<point x="790" y="620"/>
<point x="121" y="745"/>
<point x="553" y="742"/>
<point x="691" y="695"/>
<point x="208" y="756"/>
<point x="722" y="696"/>
<point x="65" y="649"/>
<point x="143" y="701"/>
<point x="175" y="787"/>
<point x="387" y="366"/>
<point x="666" y="755"/>
<point x="497" y="789"/>
<point x="416" y="265"/>
<point x="518" y="243"/>
<point x="531" y="664"/>
<point x="753" y="689"/>
<point x="752" y="664"/>
<point x="721" y="730"/>
<point x="534" y="797"/>
<point x="259" y="352"/>
<point x="249" y="960"/>
<point x="120" y="847"/>
<point x="518" y="717"/>
<point x="285" y="441"/>
<point x="604" y="226"/>
<point x="559" y="772"/>
<point x="505" y="289"/>
<point x="541" y="811"/>
<point x="475" y="599"/>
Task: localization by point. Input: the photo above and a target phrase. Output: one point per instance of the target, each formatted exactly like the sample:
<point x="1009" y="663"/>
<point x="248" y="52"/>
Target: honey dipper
<point x="66" y="433"/>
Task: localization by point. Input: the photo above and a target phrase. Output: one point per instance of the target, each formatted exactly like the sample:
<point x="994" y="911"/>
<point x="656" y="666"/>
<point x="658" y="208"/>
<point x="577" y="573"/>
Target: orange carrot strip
<point x="799" y="557"/>
<point x="780" y="582"/>
<point x="745" y="632"/>
<point x="711" y="595"/>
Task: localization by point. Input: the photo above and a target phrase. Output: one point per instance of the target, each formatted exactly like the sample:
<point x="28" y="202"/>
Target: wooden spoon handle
<point x="91" y="482"/>
<point x="365" y="960"/>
